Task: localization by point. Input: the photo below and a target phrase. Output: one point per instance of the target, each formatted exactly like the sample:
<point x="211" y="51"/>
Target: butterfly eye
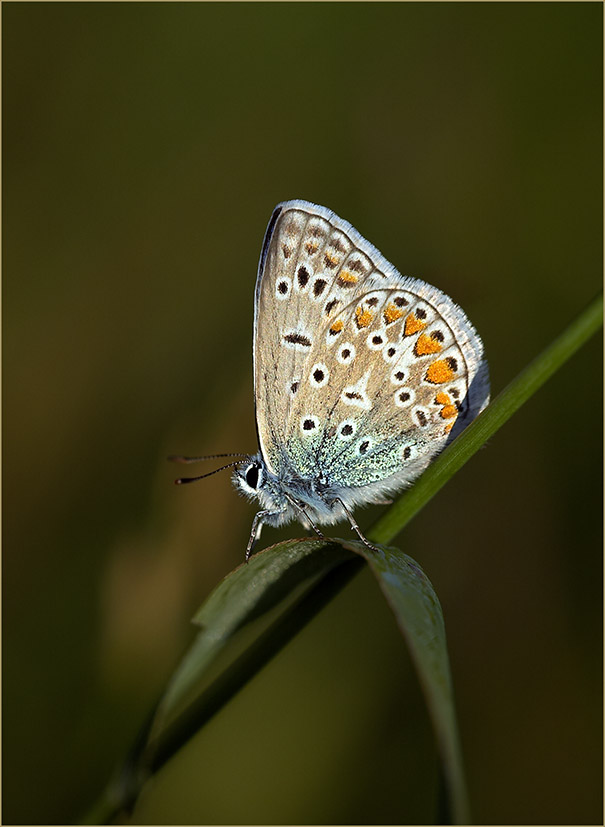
<point x="252" y="476"/>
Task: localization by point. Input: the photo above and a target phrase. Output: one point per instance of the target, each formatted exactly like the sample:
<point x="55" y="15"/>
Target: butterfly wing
<point x="289" y="304"/>
<point x="361" y="374"/>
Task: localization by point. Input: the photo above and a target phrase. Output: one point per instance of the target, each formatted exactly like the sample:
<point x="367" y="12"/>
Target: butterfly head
<point x="252" y="478"/>
<point x="249" y="476"/>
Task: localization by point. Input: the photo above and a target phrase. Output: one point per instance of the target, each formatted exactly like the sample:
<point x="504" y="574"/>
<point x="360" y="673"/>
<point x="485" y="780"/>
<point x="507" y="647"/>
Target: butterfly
<point x="361" y="375"/>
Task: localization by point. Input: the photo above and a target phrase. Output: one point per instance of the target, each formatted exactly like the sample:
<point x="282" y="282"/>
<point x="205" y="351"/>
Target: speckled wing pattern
<point x="361" y="374"/>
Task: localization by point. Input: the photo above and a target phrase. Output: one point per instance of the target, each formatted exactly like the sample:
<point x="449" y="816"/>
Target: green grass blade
<point x="290" y="621"/>
<point x="248" y="593"/>
<point x="417" y="610"/>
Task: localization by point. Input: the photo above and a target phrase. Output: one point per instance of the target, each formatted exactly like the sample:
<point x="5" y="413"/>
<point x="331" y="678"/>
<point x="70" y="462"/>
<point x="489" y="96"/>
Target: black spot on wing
<point x="297" y="339"/>
<point x="303" y="276"/>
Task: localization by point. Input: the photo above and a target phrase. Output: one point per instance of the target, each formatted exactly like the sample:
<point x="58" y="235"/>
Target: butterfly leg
<point x="313" y="526"/>
<point x="355" y="527"/>
<point x="257" y="527"/>
<point x="306" y="516"/>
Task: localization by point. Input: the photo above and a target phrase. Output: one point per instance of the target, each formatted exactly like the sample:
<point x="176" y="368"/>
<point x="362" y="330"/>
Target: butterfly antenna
<point x="176" y="458"/>
<point x="183" y="480"/>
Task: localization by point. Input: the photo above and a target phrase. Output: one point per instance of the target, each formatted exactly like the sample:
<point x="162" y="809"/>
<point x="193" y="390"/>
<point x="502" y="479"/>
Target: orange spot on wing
<point x="449" y="411"/>
<point x="330" y="259"/>
<point x="363" y="317"/>
<point x="439" y="372"/>
<point x="337" y="326"/>
<point x="347" y="277"/>
<point x="426" y="345"/>
<point x="413" y="325"/>
<point x="392" y="313"/>
<point x="311" y="247"/>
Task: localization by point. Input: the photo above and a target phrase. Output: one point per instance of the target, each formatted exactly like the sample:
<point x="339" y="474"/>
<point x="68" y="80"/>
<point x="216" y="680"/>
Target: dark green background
<point x="145" y="146"/>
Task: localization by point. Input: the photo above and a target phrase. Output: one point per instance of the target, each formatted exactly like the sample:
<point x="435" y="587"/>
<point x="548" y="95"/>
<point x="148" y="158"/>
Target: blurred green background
<point x="145" y="146"/>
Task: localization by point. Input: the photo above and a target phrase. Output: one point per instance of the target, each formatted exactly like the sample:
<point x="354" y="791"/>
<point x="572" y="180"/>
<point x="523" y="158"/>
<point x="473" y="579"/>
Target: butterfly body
<point x="361" y="375"/>
<point x="309" y="499"/>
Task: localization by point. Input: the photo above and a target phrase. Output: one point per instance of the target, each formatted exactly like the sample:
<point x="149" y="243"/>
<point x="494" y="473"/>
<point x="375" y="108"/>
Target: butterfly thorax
<point x="289" y="496"/>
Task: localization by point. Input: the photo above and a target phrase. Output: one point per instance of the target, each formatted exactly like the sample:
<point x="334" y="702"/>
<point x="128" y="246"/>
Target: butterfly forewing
<point x="361" y="374"/>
